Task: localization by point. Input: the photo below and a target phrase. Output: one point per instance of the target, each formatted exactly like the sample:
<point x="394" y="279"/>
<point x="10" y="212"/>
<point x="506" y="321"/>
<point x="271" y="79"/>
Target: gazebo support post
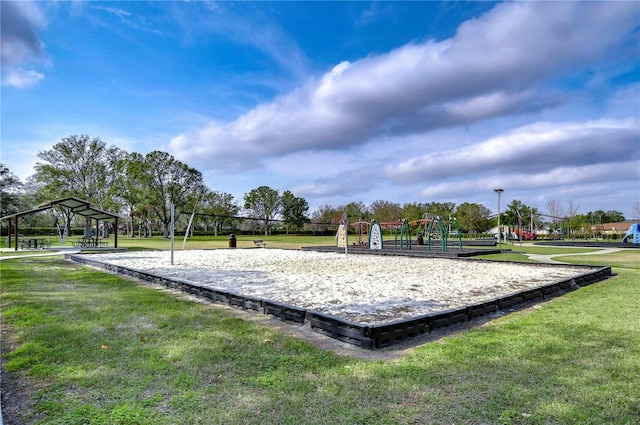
<point x="115" y="235"/>
<point x="15" y="230"/>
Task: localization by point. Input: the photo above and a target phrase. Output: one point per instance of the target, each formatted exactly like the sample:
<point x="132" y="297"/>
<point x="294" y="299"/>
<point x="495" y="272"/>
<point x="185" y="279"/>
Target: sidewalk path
<point x="54" y="251"/>
<point x="545" y="258"/>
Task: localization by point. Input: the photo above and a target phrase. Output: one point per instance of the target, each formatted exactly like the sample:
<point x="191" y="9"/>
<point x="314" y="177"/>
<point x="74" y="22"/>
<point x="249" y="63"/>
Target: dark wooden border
<point x="363" y="335"/>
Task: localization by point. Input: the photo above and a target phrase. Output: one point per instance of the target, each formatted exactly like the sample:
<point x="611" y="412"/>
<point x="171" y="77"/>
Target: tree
<point x="82" y="167"/>
<point x="131" y="171"/>
<point x="10" y="189"/>
<point x="263" y="203"/>
<point x="356" y="211"/>
<point x="442" y="209"/>
<point x="222" y="207"/>
<point x="472" y="217"/>
<point x="613" y="216"/>
<point x="324" y="216"/>
<point x="79" y="166"/>
<point x="414" y="211"/>
<point x="514" y="213"/>
<point x="532" y="216"/>
<point x="386" y="211"/>
<point x="166" y="181"/>
<point x="581" y="223"/>
<point x="572" y="211"/>
<point x="294" y="210"/>
<point x="600" y="217"/>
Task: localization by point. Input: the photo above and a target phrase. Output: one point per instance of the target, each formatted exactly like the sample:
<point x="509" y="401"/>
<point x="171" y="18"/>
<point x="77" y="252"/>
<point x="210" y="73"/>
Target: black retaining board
<point x="284" y="312"/>
<point x="335" y="327"/>
<point x="396" y="332"/>
<point x="361" y="335"/>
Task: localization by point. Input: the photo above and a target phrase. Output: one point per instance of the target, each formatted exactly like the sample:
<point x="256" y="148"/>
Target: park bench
<point x="259" y="243"/>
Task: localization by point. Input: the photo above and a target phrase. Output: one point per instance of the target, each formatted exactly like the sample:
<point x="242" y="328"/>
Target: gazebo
<point x="75" y="205"/>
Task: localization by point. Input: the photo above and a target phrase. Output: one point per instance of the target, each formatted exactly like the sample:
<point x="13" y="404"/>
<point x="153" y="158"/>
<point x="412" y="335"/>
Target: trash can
<point x="420" y="240"/>
<point x="232" y="241"/>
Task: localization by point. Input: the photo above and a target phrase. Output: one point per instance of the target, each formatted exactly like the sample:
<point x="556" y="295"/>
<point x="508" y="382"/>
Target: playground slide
<point x="634" y="231"/>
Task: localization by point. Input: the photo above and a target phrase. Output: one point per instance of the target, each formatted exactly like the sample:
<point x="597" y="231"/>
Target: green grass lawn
<point x="628" y="259"/>
<point x="99" y="349"/>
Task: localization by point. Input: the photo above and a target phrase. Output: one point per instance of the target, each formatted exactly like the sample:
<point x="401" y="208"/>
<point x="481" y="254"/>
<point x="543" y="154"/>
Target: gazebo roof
<point x="76" y="205"/>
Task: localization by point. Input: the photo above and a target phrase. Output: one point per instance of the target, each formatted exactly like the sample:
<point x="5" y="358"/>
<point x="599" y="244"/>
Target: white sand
<point x="362" y="288"/>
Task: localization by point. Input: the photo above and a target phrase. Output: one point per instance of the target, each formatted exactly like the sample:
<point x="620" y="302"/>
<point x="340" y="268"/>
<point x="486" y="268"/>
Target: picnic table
<point x="34" y="243"/>
<point x="89" y="242"/>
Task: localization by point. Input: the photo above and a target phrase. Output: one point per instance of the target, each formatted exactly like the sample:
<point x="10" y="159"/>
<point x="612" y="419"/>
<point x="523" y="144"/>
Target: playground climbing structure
<point x="634" y="232"/>
<point x="437" y="230"/>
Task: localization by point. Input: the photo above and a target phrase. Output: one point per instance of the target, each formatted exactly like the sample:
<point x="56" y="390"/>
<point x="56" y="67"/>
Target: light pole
<point x="498" y="191"/>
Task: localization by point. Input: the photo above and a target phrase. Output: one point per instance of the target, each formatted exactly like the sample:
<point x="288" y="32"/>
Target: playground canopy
<point x="75" y="205"/>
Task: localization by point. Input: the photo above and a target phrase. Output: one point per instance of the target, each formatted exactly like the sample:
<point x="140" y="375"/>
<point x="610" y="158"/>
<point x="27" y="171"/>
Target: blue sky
<point x="341" y="101"/>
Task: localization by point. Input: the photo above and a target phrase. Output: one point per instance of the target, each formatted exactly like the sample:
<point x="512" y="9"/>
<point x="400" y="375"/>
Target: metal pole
<point x="15" y="232"/>
<point x="346" y="233"/>
<point x="173" y="209"/>
<point x="531" y="225"/>
<point x="498" y="191"/>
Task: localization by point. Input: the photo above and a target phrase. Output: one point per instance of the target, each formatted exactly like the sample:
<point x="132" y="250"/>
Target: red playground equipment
<point x="522" y="234"/>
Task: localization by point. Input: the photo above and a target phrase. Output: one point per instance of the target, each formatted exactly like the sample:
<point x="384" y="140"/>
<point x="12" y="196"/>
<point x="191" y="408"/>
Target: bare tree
<point x="555" y="211"/>
<point x="635" y="211"/>
<point x="572" y="211"/>
<point x="323" y="216"/>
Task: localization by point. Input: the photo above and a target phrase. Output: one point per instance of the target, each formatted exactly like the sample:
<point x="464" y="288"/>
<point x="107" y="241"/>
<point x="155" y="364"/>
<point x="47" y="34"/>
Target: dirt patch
<point x="16" y="389"/>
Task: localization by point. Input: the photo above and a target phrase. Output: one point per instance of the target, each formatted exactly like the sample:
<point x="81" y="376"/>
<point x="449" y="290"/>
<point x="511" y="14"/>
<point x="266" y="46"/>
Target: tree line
<point x="142" y="188"/>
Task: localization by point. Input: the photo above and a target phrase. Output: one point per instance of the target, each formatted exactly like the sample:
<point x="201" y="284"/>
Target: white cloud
<point x="536" y="147"/>
<point x="20" y="78"/>
<point x="493" y="66"/>
<point x="584" y="176"/>
<point x="20" y="44"/>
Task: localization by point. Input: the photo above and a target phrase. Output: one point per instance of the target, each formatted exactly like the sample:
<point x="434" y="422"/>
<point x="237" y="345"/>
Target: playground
<point x="435" y="233"/>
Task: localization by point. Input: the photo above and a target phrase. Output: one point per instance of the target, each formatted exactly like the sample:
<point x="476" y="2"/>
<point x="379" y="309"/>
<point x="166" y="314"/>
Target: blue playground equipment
<point x="634" y="231"/>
